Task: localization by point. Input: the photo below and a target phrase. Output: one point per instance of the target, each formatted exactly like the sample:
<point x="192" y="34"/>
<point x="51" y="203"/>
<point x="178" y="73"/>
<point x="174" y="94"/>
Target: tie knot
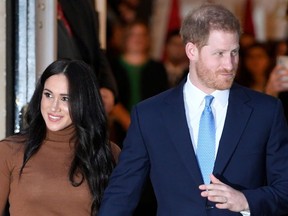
<point x="208" y="100"/>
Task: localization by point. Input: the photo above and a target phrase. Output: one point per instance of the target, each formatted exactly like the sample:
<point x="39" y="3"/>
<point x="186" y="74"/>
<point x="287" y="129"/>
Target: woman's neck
<point x="64" y="135"/>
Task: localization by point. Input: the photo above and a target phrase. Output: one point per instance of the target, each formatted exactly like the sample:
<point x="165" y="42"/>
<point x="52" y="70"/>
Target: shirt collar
<point x="197" y="99"/>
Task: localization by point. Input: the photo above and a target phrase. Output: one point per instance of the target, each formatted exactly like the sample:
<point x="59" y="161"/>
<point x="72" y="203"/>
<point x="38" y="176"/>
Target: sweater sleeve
<point x="7" y="151"/>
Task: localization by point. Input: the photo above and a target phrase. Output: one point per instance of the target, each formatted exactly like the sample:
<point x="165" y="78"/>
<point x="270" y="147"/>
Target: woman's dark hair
<point x="93" y="159"/>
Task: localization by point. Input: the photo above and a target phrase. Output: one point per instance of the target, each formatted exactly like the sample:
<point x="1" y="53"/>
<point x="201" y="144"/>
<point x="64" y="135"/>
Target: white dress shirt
<point x="194" y="103"/>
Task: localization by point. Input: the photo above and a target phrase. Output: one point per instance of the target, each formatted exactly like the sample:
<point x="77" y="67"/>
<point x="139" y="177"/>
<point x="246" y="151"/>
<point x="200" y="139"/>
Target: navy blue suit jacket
<point x="252" y="157"/>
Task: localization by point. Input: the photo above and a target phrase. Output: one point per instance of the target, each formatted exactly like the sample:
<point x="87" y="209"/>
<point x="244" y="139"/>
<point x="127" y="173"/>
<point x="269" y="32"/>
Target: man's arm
<point x="271" y="198"/>
<point x="126" y="182"/>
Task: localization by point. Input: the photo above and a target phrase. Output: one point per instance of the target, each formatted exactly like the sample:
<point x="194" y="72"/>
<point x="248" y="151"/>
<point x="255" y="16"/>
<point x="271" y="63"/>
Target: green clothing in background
<point x="134" y="75"/>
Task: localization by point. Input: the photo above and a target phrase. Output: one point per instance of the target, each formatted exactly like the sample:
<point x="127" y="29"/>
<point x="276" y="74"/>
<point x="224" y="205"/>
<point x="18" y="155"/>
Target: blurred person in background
<point x="277" y="85"/>
<point x="138" y="76"/>
<point x="175" y="59"/>
<point x="255" y="67"/>
<point x="78" y="38"/>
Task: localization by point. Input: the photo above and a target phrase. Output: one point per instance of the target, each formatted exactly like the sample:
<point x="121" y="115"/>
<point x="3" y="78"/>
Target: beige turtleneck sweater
<point x="44" y="187"/>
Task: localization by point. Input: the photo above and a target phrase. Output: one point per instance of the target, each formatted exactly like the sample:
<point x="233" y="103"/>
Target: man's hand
<point x="224" y="196"/>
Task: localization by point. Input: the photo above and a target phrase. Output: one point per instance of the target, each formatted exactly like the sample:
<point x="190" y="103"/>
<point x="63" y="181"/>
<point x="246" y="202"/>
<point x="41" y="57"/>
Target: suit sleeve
<point x="127" y="180"/>
<point x="273" y="198"/>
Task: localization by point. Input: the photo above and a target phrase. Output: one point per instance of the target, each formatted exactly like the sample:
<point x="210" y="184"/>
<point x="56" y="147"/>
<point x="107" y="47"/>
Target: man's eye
<point x="234" y="53"/>
<point x="220" y="53"/>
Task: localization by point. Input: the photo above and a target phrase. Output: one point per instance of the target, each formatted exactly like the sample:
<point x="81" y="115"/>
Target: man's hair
<point x="198" y="24"/>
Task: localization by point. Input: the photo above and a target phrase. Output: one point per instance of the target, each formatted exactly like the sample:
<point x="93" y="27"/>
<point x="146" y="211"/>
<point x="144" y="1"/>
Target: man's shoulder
<point x="252" y="97"/>
<point x="237" y="88"/>
<point x="163" y="97"/>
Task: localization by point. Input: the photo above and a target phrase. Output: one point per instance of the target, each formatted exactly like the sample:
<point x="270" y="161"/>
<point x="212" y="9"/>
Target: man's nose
<point x="228" y="63"/>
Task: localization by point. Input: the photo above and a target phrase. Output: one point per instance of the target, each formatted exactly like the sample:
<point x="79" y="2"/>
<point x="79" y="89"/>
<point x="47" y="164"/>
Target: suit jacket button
<point x="208" y="207"/>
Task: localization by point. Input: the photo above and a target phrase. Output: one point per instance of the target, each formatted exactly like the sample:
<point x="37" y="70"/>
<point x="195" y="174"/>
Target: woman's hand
<point x="278" y="81"/>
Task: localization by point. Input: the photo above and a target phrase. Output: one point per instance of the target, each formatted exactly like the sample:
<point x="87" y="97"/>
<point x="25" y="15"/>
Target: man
<point x="250" y="174"/>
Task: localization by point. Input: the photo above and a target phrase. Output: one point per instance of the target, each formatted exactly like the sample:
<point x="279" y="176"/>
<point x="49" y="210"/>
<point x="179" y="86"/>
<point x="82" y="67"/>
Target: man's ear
<point x="191" y="51"/>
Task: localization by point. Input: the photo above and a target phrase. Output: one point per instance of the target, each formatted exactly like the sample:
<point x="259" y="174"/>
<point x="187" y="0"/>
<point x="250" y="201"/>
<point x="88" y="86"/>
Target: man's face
<point x="217" y="62"/>
<point x="176" y="50"/>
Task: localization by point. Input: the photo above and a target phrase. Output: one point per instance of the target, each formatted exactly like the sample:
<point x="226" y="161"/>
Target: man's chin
<point x="225" y="85"/>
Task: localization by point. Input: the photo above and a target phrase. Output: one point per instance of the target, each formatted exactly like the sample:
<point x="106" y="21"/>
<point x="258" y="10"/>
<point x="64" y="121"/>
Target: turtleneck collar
<point x="64" y="135"/>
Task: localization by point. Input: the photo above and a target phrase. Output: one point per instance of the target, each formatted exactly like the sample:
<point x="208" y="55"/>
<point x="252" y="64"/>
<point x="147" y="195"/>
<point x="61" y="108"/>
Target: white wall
<point x="46" y="34"/>
<point x="2" y="69"/>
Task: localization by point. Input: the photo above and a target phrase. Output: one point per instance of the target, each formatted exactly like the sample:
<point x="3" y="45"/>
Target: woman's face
<point x="257" y="61"/>
<point x="55" y="103"/>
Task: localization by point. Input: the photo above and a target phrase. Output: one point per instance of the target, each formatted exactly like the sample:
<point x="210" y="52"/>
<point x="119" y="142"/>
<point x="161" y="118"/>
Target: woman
<point x="277" y="85"/>
<point x="255" y="67"/>
<point x="59" y="164"/>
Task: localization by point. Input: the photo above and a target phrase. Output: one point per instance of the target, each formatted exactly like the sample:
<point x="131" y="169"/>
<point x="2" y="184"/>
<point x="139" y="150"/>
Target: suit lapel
<point x="237" y="117"/>
<point x="238" y="114"/>
<point x="175" y="121"/>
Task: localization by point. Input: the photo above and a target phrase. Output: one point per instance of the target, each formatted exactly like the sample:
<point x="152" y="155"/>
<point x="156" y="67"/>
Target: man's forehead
<point x="222" y="39"/>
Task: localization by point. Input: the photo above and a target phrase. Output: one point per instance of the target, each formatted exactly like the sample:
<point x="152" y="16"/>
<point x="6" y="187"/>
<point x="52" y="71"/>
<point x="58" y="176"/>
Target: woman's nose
<point x="55" y="105"/>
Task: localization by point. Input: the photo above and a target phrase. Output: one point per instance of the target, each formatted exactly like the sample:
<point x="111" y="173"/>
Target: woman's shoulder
<point x="11" y="144"/>
<point x="11" y="153"/>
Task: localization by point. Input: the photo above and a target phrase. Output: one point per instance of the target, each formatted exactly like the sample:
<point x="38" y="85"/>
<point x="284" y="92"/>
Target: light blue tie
<point x="206" y="140"/>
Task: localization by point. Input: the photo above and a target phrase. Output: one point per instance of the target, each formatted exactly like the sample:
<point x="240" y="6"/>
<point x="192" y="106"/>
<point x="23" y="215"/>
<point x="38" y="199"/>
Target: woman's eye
<point x="65" y="99"/>
<point x="47" y="94"/>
